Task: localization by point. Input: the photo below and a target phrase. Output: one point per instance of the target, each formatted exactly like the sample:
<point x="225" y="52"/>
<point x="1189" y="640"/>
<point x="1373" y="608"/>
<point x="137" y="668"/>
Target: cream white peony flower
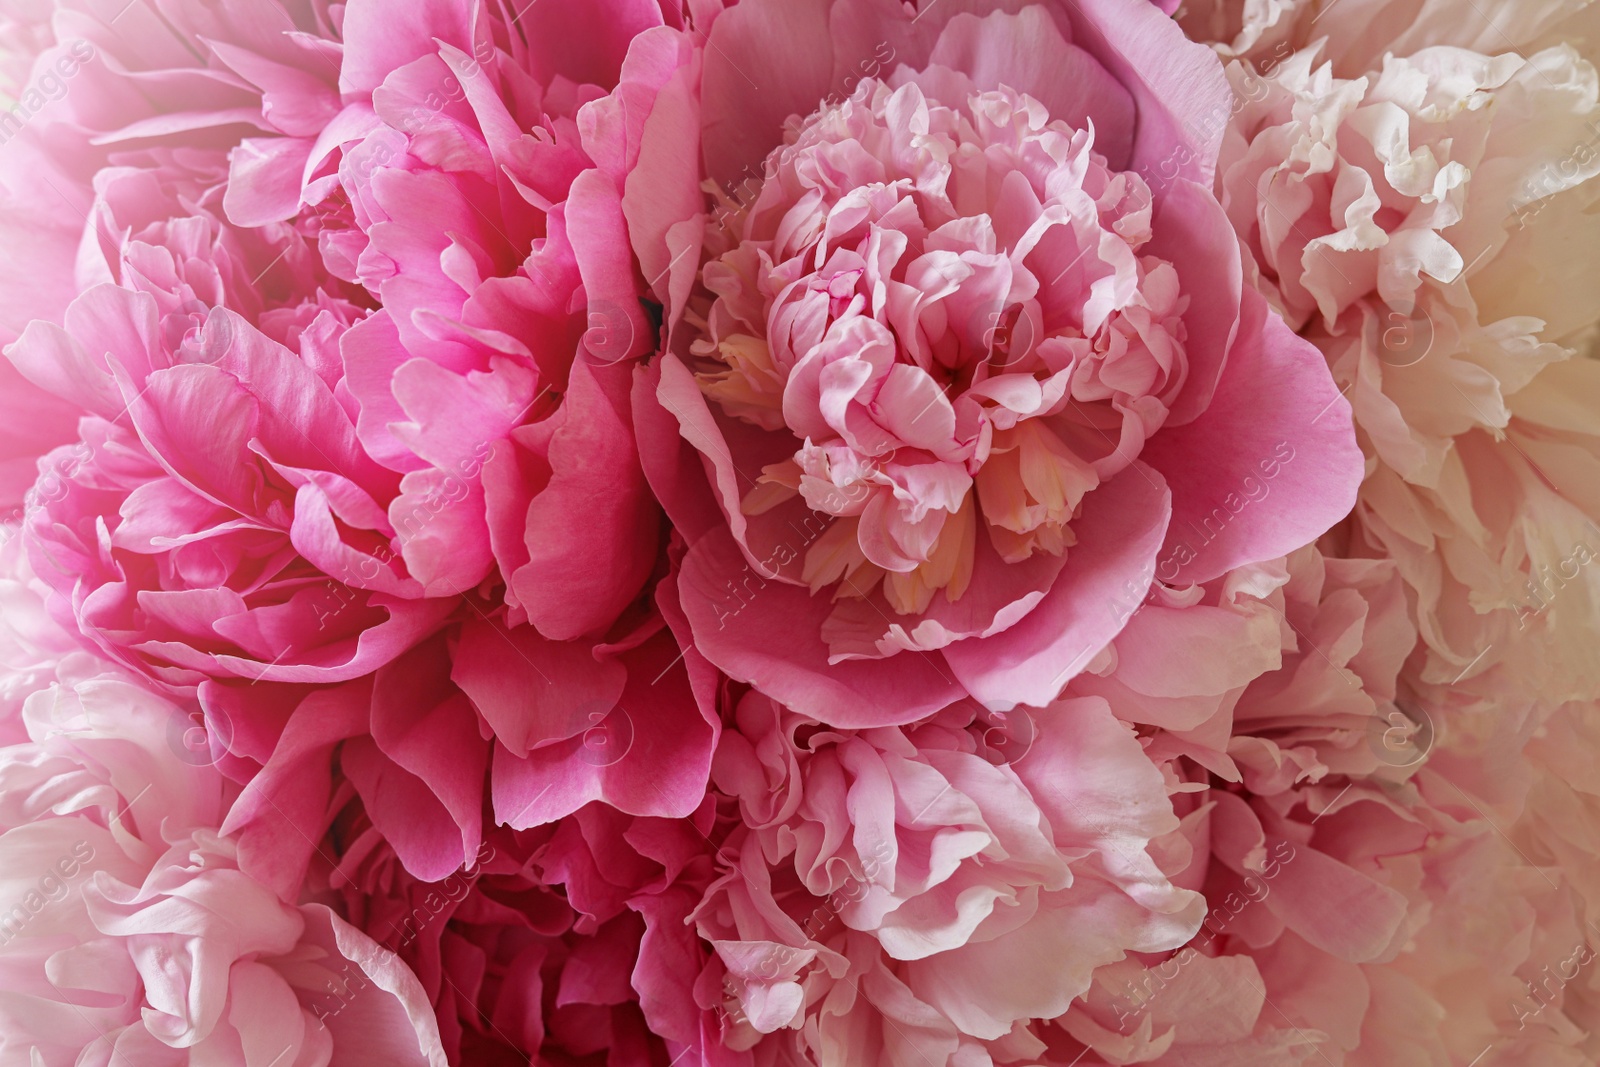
<point x="1429" y="226"/>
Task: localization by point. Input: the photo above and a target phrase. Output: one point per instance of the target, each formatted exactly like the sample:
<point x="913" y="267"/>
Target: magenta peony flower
<point x="970" y="361"/>
<point x="478" y="200"/>
<point x="558" y="944"/>
<point x="351" y="458"/>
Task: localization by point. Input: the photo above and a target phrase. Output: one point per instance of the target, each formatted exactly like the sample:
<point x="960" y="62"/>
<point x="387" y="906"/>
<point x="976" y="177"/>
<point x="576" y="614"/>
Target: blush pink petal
<point x="1031" y="661"/>
<point x="768" y="633"/>
<point x="1280" y="408"/>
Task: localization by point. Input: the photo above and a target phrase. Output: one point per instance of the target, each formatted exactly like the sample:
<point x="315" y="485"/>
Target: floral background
<point x="799" y="532"/>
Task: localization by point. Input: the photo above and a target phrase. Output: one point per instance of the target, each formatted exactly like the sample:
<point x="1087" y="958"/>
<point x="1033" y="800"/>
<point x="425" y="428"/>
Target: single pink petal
<point x="1271" y="464"/>
<point x="1119" y="533"/>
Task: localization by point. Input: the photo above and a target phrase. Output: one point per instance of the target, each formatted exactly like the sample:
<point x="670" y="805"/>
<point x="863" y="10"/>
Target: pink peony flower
<point x="559" y="944"/>
<point x="970" y="361"/>
<point x="906" y="895"/>
<point x="123" y="93"/>
<point x="1273" y="754"/>
<point x="478" y="198"/>
<point x="551" y="726"/>
<point x="297" y="487"/>
<point x="132" y="936"/>
<point x="1346" y="854"/>
<point x="190" y="531"/>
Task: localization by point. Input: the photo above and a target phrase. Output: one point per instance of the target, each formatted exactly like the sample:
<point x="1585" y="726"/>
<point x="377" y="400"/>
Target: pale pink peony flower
<point x="35" y="651"/>
<point x="1407" y="219"/>
<point x="1402" y="220"/>
<point x="1361" y="32"/>
<point x="906" y="895"/>
<point x="132" y="935"/>
<point x="1269" y="699"/>
<point x="971" y="356"/>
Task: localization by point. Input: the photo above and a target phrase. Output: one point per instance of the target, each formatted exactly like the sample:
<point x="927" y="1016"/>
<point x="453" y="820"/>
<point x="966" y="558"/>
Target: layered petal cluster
<point x="318" y="420"/>
<point x="550" y="726"/>
<point x="1289" y="760"/>
<point x="190" y="532"/>
<point x="558" y="945"/>
<point x="968" y="354"/>
<point x="1400" y="220"/>
<point x="1267" y="31"/>
<point x="478" y="198"/>
<point x="908" y="895"/>
<point x="124" y="123"/>
<point x="131" y="934"/>
<point x="799" y="533"/>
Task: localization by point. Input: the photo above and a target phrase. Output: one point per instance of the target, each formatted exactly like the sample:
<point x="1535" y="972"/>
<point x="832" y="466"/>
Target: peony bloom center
<point x="950" y="312"/>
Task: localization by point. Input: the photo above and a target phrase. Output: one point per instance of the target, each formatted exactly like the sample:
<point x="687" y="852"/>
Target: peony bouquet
<point x="799" y="533"/>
